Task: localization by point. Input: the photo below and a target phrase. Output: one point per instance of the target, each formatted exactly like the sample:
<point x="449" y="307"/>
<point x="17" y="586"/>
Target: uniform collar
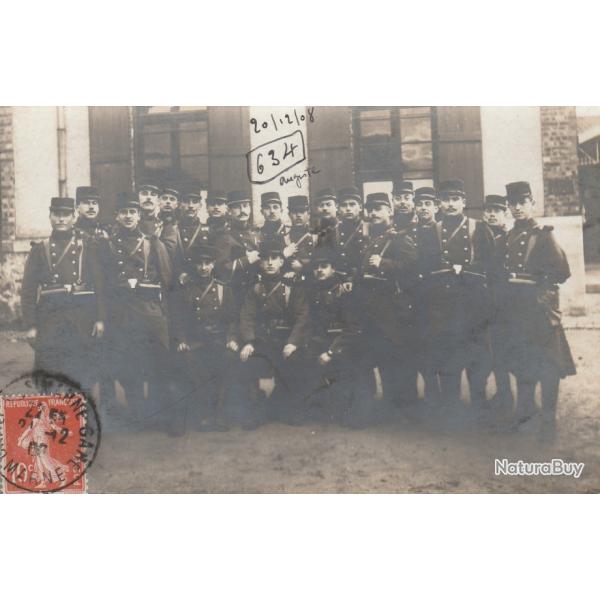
<point x="523" y="224"/>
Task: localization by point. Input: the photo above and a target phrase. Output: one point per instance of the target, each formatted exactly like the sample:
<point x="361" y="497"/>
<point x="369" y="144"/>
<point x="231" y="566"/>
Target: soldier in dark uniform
<point x="332" y="348"/>
<point x="63" y="298"/>
<point x="326" y="207"/>
<point x="168" y="202"/>
<point x="218" y="231"/>
<point x="403" y="198"/>
<point x="300" y="240"/>
<point x="424" y="235"/>
<point x="191" y="229"/>
<point x="150" y="223"/>
<point x="138" y="270"/>
<point x="351" y="233"/>
<point x="272" y="209"/>
<point x="242" y="245"/>
<point x="87" y="201"/>
<point x="274" y="324"/>
<point x="383" y="293"/>
<point x="495" y="210"/>
<point x="458" y="300"/>
<point x="537" y="347"/>
<point x="205" y="324"/>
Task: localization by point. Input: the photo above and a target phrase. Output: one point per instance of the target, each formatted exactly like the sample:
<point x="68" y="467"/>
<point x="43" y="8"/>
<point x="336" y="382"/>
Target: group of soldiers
<point x="194" y="319"/>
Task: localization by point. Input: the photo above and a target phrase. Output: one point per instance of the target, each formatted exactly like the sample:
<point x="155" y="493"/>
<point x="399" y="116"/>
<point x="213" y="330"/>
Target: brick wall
<point x="7" y="176"/>
<point x="559" y="157"/>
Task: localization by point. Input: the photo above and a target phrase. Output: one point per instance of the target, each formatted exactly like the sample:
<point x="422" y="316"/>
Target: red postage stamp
<point x="47" y="443"/>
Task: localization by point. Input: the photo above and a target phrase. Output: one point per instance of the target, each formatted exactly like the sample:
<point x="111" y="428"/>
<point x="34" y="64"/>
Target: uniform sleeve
<point x="350" y="325"/>
<point x="247" y="327"/>
<point x="485" y="248"/>
<point x="170" y="238"/>
<point x="165" y="265"/>
<point x="300" y="315"/>
<point x="98" y="277"/>
<point x="29" y="286"/>
<point x="179" y="315"/>
<point x="231" y="315"/>
<point x="554" y="262"/>
<point x="400" y="256"/>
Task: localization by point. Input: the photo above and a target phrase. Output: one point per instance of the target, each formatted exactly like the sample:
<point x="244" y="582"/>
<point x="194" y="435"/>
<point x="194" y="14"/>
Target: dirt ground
<point x="398" y="456"/>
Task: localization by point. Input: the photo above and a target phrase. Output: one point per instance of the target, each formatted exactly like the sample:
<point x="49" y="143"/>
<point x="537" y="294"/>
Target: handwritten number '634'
<point x="288" y="151"/>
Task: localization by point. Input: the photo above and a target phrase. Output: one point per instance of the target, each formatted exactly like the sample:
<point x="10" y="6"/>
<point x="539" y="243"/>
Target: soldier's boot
<point x="550" y="384"/>
<point x="432" y="393"/>
<point x="526" y="411"/>
<point x="502" y="401"/>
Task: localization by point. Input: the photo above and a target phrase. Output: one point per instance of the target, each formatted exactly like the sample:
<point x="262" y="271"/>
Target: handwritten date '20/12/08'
<point x="276" y="121"/>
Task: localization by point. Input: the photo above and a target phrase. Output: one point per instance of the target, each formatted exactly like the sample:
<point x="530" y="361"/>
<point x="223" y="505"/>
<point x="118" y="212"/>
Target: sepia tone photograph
<point x="302" y="299"/>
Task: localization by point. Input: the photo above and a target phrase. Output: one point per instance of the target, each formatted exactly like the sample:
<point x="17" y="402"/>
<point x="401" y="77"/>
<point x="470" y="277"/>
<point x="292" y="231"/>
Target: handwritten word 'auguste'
<point x="279" y="121"/>
<point x="298" y="177"/>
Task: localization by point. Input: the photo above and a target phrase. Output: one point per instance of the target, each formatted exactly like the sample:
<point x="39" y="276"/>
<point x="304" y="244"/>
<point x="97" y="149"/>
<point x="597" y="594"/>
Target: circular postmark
<point x="49" y="434"/>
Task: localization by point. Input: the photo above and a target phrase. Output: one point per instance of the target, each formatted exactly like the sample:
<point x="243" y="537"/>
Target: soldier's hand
<point x="98" y="330"/>
<point x="31" y="334"/>
<point x="183" y="347"/>
<point x="252" y="256"/>
<point x="324" y="358"/>
<point x="375" y="260"/>
<point x="288" y="350"/>
<point x="296" y="265"/>
<point x="233" y="346"/>
<point x="290" y="250"/>
<point x="247" y="352"/>
<point x="347" y="286"/>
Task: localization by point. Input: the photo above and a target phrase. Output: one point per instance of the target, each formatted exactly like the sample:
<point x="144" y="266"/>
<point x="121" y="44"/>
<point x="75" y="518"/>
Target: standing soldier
<point x="403" y="198"/>
<point x="351" y="234"/>
<point x="150" y="223"/>
<point x="326" y="207"/>
<point x="537" y="347"/>
<point x="459" y="307"/>
<point x="205" y="330"/>
<point x="334" y="329"/>
<point x="300" y="241"/>
<point x="425" y="237"/>
<point x="495" y="210"/>
<point x="382" y="288"/>
<point x="271" y="209"/>
<point x="273" y="333"/>
<point x="63" y="298"/>
<point x="242" y="243"/>
<point x="191" y="229"/>
<point x="87" y="200"/>
<point x="138" y="270"/>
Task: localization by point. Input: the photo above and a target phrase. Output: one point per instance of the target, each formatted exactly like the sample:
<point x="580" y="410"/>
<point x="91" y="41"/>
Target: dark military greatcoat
<point x="63" y="295"/>
<point x="535" y="265"/>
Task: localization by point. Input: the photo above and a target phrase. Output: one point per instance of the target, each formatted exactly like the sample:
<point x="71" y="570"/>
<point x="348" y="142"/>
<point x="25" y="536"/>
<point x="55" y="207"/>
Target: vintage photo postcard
<point x="202" y="299"/>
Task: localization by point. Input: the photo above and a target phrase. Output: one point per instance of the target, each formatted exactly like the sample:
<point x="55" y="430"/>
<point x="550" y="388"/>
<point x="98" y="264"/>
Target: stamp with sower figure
<point x="47" y="440"/>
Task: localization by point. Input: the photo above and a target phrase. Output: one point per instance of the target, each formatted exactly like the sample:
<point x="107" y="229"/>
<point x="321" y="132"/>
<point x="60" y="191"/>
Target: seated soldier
<point x="205" y="331"/>
<point x="273" y="332"/>
<point x="333" y="333"/>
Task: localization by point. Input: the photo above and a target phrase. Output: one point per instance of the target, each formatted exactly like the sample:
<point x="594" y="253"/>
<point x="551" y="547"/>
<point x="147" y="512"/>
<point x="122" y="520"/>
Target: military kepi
<point x="349" y="193"/>
<point x="326" y="194"/>
<point x="270" y="246"/>
<point x="86" y="193"/>
<point x="402" y="187"/>
<point x="62" y="203"/>
<point x="297" y="203"/>
<point x="127" y="200"/>
<point x="268" y="197"/>
<point x="425" y="193"/>
<point x="452" y="187"/>
<point x="517" y="190"/>
<point x="495" y="201"/>
<point x="378" y="198"/>
<point x="237" y="197"/>
<point x="203" y="251"/>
